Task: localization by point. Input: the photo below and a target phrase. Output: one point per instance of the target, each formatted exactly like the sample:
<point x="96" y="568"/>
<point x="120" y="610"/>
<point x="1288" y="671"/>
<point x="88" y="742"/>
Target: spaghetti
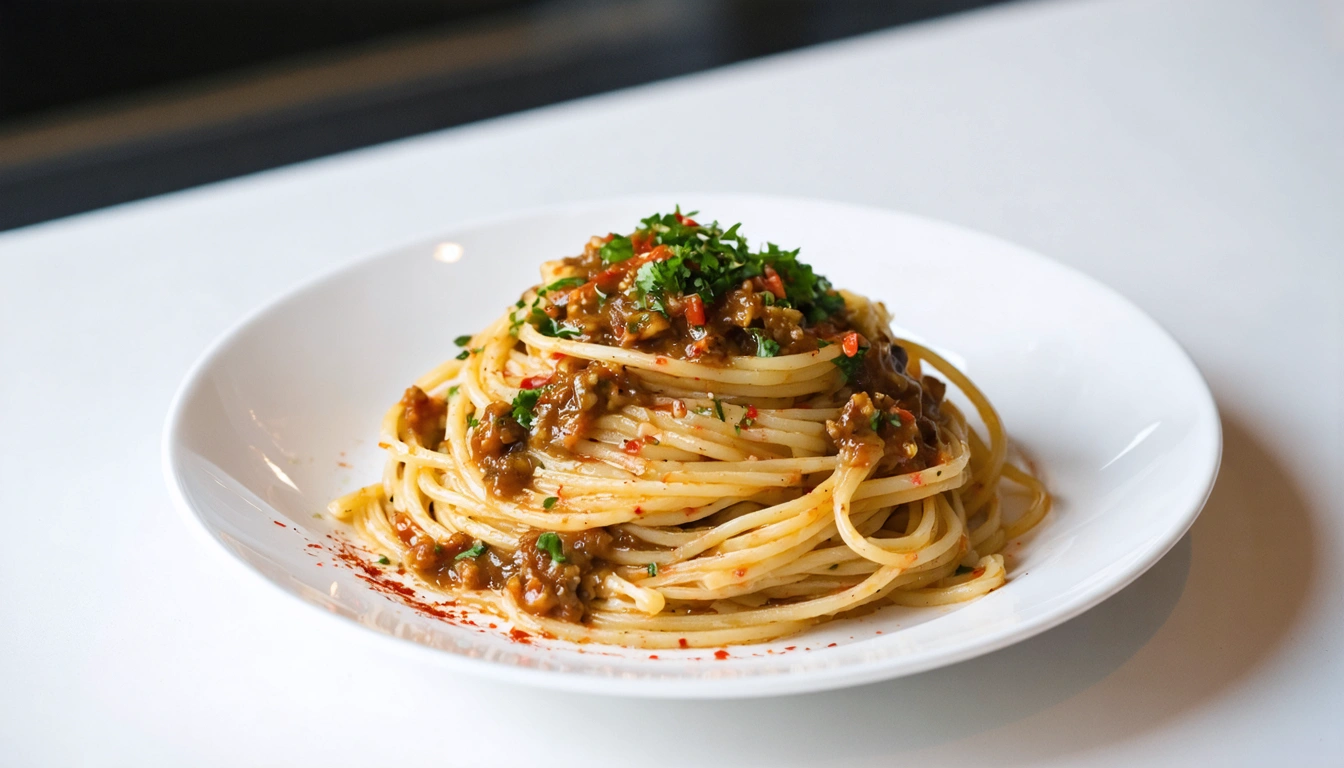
<point x="678" y="441"/>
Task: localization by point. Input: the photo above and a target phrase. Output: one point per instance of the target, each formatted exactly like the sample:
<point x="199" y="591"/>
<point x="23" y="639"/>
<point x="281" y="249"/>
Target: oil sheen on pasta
<point x="675" y="439"/>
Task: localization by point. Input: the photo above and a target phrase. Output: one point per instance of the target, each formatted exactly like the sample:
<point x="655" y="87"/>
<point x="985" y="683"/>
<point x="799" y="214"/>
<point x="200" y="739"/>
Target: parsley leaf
<point x="548" y="326"/>
<point x="464" y="354"/>
<point x="471" y="421"/>
<point x="619" y="248"/>
<point x="765" y="346"/>
<point x="718" y="409"/>
<point x="463" y="340"/>
<point x="550" y="543"/>
<point x="850" y="366"/>
<point x="652" y="568"/>
<point x="523" y="403"/>
<point x="875" y="422"/>
<point x="562" y="283"/>
<point x="477" y="549"/>
<point x="549" y="502"/>
<point x="382" y="560"/>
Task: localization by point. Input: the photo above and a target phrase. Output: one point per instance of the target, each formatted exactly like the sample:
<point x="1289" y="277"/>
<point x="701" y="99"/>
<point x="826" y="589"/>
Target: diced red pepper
<point x="773" y="284"/>
<point x="695" y="310"/>
<point x="633" y="447"/>
<point x="686" y="221"/>
<point x="642" y="241"/>
<point x="850" y="344"/>
<point x="534" y="382"/>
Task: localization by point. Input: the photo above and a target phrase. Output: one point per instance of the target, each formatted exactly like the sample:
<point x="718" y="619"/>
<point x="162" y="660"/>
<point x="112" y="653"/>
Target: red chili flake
<point x="916" y="479"/>
<point x="660" y="360"/>
<point x="752" y="413"/>
<point x="977" y="573"/>
<point x="277" y="522"/>
<point x="315" y="546"/>
<point x="739" y="572"/>
<point x="904" y="416"/>
<point x="832" y="645"/>
<point x="519" y="636"/>
<point x="610" y="236"/>
<point x="493" y="625"/>
<point x="653" y="655"/>
<point x="720" y="655"/>
<point x="850" y="344"/>
<point x="639" y="510"/>
<point x="682" y="642"/>
<point x="534" y="382"/>
<point x="790" y="647"/>
<point x="319" y="565"/>
<point x="557" y="356"/>
<point x="633" y="447"/>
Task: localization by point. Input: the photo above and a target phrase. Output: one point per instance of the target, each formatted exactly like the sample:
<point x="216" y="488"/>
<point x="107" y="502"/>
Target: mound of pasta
<point x="675" y="440"/>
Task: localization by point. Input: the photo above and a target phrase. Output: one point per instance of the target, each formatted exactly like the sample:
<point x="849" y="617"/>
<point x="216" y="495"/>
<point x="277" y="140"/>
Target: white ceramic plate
<point x="281" y="415"/>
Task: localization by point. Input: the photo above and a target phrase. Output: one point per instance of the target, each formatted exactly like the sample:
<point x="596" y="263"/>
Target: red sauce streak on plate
<point x="277" y="522"/>
<point x="379" y="580"/>
<point x="519" y="636"/>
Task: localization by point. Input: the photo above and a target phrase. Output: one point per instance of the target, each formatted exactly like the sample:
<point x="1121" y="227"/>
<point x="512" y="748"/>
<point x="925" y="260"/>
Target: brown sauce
<point x="540" y="583"/>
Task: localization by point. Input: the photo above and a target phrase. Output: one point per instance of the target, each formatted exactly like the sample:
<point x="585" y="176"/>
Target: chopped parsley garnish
<point x="382" y="560"/>
<point x="453" y="389"/>
<point x="550" y="543"/>
<point x="471" y="421"/>
<point x="876" y="421"/>
<point x="523" y="403"/>
<point x="710" y="261"/>
<point x="765" y="346"/>
<point x="548" y="326"/>
<point x="561" y="284"/>
<point x="850" y="366"/>
<point x="718" y="409"/>
<point x="477" y="549"/>
<point x="652" y="568"/>
<point x="549" y="502"/>
<point x="619" y="248"/>
<point x="463" y="340"/>
<point x="464" y="354"/>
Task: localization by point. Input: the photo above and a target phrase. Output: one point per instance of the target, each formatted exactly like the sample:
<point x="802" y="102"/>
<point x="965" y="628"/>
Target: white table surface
<point x="1188" y="153"/>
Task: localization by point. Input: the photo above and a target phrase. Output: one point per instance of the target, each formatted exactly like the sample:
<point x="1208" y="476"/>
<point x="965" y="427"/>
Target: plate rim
<point x="792" y="682"/>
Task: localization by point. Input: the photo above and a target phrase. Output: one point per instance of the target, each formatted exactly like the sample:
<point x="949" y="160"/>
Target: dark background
<point x="107" y="101"/>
